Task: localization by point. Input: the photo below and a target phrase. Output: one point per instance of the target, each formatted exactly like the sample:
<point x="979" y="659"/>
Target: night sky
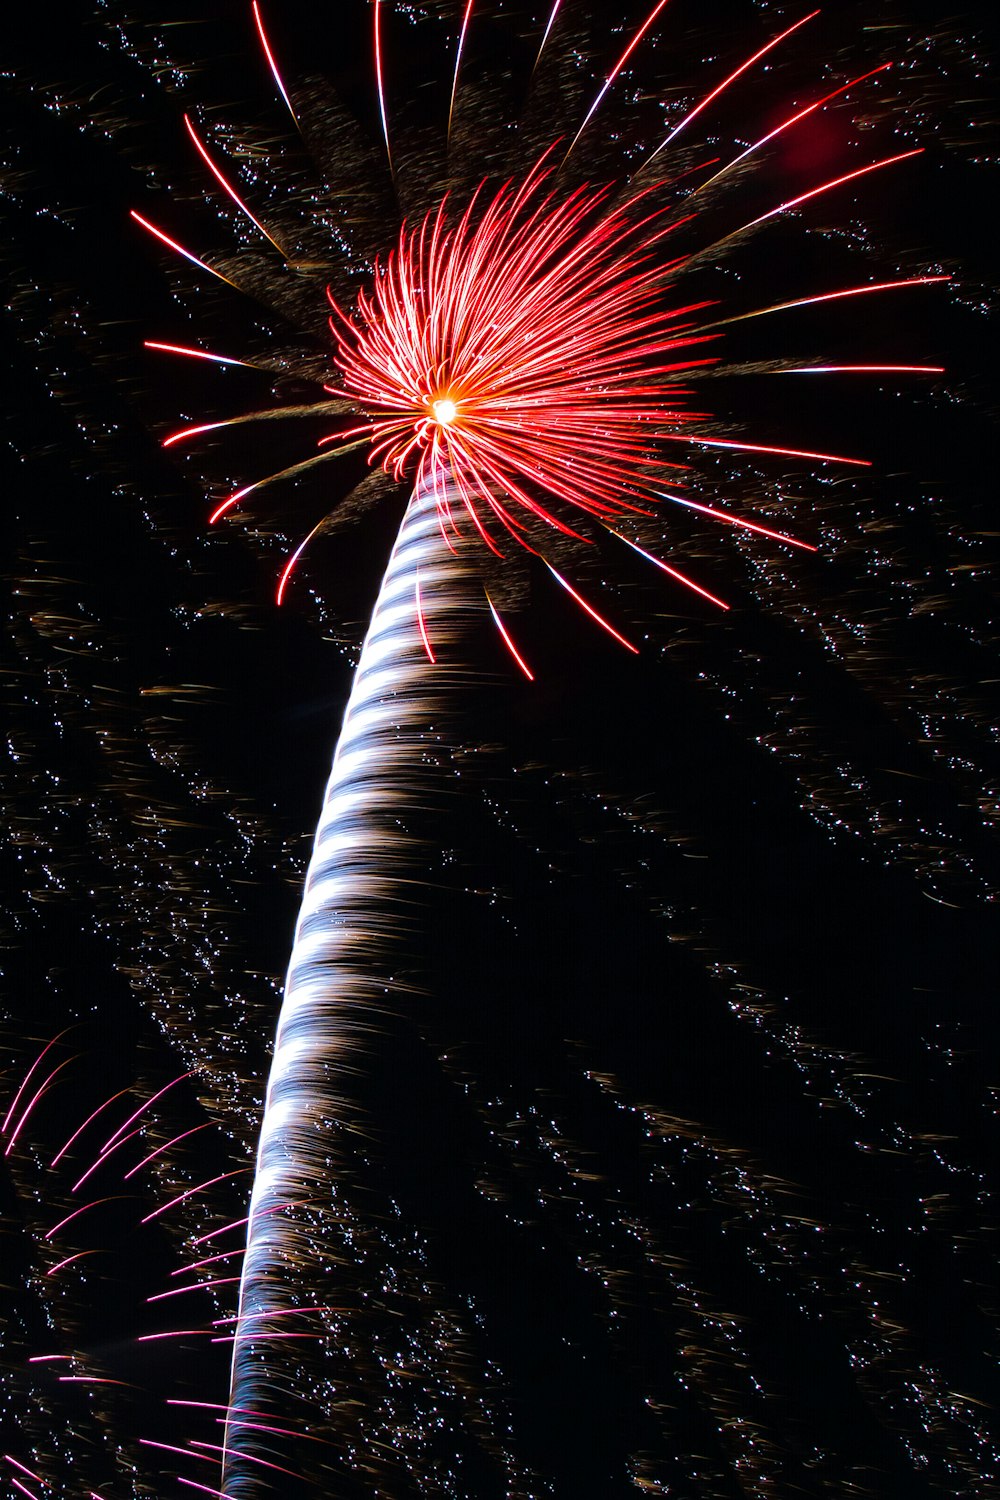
<point x="670" y="1163"/>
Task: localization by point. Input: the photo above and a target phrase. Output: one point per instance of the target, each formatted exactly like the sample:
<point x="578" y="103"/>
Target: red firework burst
<point x="523" y="353"/>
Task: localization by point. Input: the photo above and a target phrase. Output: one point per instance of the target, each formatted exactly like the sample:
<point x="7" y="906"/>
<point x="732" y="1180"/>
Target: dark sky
<point x="676" y="1171"/>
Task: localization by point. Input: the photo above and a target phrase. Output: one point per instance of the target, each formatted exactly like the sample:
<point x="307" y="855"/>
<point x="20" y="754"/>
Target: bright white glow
<point x="445" y="411"/>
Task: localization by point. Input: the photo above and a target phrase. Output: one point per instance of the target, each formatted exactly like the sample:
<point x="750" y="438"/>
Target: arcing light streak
<point x="350" y="902"/>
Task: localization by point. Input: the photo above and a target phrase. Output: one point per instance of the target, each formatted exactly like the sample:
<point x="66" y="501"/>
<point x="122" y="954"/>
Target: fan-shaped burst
<point x="525" y="351"/>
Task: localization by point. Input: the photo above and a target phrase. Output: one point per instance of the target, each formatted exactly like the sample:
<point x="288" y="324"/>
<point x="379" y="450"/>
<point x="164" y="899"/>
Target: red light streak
<point x="218" y="359"/>
<point x="270" y="60"/>
<point x="650" y="19"/>
<point x="227" y="186"/>
<point x="591" y="611"/>
<point x="835" y="182"/>
<point x="182" y="1197"/>
<point x="81" y="1128"/>
<point x="142" y="1110"/>
<point x="179" y="249"/>
<point x="674" y="573"/>
<point x="505" y="637"/>
<point x="737" y="72"/>
<point x="421" y="622"/>
<point x="160" y="1149"/>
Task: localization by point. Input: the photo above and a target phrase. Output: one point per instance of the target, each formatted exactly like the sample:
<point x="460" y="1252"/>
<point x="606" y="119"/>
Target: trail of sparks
<point x="227" y="186"/>
<point x="633" y="44"/>
<point x="266" y="46"/>
<point x="693" y="114"/>
<point x="327" y="995"/>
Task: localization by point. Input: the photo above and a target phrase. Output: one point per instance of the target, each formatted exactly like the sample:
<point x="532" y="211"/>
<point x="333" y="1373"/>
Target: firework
<point x="519" y="445"/>
<point x="521" y="362"/>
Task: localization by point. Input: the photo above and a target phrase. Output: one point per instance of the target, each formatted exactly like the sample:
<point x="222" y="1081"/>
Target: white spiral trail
<point x="334" y="992"/>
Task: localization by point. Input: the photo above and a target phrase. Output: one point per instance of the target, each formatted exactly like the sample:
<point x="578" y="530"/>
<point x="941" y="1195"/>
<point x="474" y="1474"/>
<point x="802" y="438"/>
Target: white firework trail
<point x="335" y="990"/>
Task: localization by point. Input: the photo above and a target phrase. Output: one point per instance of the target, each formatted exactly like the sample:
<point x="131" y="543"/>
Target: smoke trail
<point x="352" y="906"/>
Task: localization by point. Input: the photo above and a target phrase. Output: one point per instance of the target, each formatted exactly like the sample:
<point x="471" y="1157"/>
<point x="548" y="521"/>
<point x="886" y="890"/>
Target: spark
<point x="633" y="44"/>
<point x="835" y="182"/>
<point x="179" y="249"/>
<point x="166" y="1147"/>
<point x="380" y="83"/>
<point x="850" y="291"/>
<point x="505" y="637"/>
<point x="266" y="46"/>
<point x="794" y="120"/>
<point x="591" y="611"/>
<point x="142" y="1110"/>
<point x="692" y="114"/>
<point x="36" y="1098"/>
<point x="466" y="18"/>
<point x="227" y="186"/>
<point x="190" y="1192"/>
<point x="81" y="1128"/>
<point x="28" y="1077"/>
<point x="863" y="370"/>
<point x="674" y="573"/>
<point x="112" y="1198"/>
<point x="218" y="359"/>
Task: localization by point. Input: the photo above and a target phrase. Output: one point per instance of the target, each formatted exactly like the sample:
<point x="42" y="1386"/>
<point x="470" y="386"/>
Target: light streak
<point x="39" y="1094"/>
<point x="166" y="1147"/>
<point x="591" y="611"/>
<point x="380" y="83"/>
<point x="815" y="300"/>
<point x="731" y="520"/>
<point x="674" y="573"/>
<point x="794" y="120"/>
<point x="831" y="458"/>
<point x="506" y="638"/>
<point x="112" y="1198"/>
<point x="217" y="359"/>
<point x="266" y="46"/>
<point x="692" y="114"/>
<point x="81" y="1128"/>
<point x="142" y="1110"/>
<point x="633" y="44"/>
<point x="227" y="186"/>
<point x="179" y="249"/>
<point x="28" y="1077"/>
<point x="190" y="1193"/>
<point x="466" y="18"/>
<point x="835" y="182"/>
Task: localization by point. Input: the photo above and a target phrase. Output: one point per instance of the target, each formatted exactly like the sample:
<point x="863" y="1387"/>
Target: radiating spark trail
<point x="850" y="291"/>
<point x="506" y="638"/>
<point x="111" y="1198"/>
<point x="227" y="186"/>
<point x="266" y="46"/>
<point x="190" y="1193"/>
<point x="39" y="1094"/>
<point x="28" y="1077"/>
<point x="835" y="182"/>
<point x="81" y="1128"/>
<point x="146" y="1104"/>
<point x="794" y="120"/>
<point x="674" y="573"/>
<point x="589" y="609"/>
<point x="466" y="18"/>
<point x="730" y="520"/>
<point x="380" y="82"/>
<point x="217" y="359"/>
<point x="179" y="249"/>
<point x="546" y="34"/>
<point x="166" y="1147"/>
<point x="633" y="44"/>
<point x="863" y="370"/>
<point x="692" y="114"/>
